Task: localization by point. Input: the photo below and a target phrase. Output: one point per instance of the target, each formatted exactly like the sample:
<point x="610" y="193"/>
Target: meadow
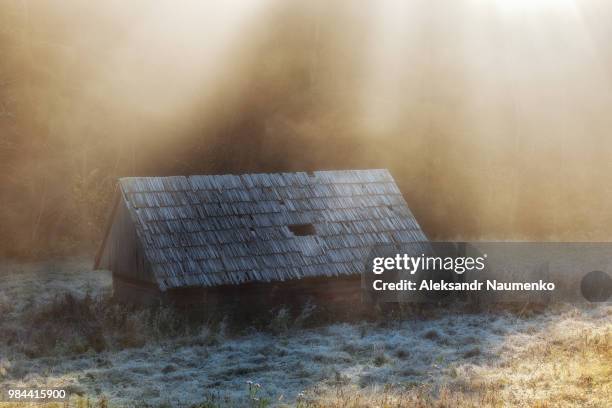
<point x="60" y="327"/>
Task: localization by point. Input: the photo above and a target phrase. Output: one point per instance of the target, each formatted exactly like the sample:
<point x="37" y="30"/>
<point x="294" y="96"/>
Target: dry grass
<point x="563" y="370"/>
<point x="560" y="371"/>
<point x="68" y="325"/>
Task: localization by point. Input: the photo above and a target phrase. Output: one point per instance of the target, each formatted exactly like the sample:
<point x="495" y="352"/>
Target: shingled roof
<point x="233" y="229"/>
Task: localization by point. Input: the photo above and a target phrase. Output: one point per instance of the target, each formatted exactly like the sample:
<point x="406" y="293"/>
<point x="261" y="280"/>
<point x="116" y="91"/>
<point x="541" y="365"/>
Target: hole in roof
<point x="281" y="202"/>
<point x="301" y="230"/>
<point x="390" y="207"/>
<point x="310" y="173"/>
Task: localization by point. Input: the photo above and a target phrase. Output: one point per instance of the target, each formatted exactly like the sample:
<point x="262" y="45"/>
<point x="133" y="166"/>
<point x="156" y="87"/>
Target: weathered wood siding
<point x="125" y="252"/>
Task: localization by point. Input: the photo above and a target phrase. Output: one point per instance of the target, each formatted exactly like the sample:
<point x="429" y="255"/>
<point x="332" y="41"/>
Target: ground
<point x="558" y="357"/>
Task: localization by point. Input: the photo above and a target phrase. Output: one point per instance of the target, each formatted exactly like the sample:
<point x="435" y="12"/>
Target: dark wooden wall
<point x="125" y="253"/>
<point x="341" y="292"/>
<point x="136" y="292"/>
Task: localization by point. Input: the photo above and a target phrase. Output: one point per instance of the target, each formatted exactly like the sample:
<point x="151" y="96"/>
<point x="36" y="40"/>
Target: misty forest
<point x="494" y="123"/>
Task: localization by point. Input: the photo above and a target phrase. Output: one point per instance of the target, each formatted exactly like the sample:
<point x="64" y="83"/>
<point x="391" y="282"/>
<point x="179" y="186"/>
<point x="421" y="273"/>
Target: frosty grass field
<point x="559" y="357"/>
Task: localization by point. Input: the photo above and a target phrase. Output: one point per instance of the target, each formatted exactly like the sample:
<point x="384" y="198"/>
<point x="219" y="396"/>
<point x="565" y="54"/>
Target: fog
<point x="494" y="116"/>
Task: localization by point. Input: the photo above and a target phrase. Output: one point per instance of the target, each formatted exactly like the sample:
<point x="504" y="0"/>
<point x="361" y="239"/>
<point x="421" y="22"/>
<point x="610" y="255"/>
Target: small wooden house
<point x="251" y="237"/>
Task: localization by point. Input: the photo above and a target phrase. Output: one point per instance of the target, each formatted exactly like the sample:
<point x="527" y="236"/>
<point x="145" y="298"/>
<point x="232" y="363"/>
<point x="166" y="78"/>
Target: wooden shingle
<point x="232" y="229"/>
